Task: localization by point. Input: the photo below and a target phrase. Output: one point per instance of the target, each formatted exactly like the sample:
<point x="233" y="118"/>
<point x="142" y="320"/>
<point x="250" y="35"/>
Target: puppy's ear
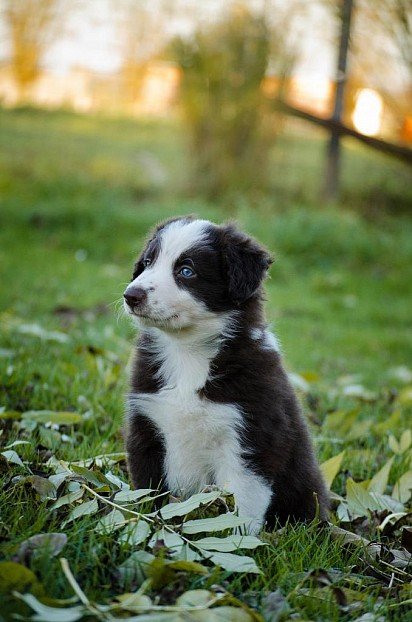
<point x="246" y="263"/>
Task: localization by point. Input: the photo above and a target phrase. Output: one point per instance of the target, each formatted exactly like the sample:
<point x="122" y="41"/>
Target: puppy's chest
<point x="177" y="408"/>
<point x="198" y="433"/>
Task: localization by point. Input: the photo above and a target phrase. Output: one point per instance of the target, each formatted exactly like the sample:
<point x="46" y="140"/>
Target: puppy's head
<point x="191" y="270"/>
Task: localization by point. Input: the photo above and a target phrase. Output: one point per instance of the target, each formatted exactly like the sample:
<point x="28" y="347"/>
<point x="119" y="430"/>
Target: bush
<point x="230" y="126"/>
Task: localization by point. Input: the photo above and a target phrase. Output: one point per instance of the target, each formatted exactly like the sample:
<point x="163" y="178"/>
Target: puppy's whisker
<point x="115" y="302"/>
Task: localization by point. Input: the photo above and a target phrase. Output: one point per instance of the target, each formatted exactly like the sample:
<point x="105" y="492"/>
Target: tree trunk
<point x="331" y="188"/>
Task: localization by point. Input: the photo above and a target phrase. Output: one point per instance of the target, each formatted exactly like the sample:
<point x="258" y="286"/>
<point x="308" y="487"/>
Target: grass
<point x="78" y="196"/>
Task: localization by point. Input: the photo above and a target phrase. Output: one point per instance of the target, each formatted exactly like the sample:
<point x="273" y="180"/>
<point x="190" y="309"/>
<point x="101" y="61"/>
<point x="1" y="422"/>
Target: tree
<point x="231" y="122"/>
<point x="381" y="47"/>
<point x="382" y="50"/>
<point x="333" y="155"/>
<point x="142" y="28"/>
<point x="393" y="18"/>
<point x="32" y="26"/>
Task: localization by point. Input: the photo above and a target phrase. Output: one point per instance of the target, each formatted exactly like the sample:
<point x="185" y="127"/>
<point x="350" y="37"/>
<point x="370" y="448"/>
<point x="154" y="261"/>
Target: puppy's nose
<point x="135" y="296"/>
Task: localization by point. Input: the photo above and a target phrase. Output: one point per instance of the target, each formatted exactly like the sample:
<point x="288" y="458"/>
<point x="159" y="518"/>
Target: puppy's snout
<point x="135" y="296"/>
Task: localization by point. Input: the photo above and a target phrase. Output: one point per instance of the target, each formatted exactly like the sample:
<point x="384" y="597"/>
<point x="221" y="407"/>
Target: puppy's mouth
<point x="153" y="318"/>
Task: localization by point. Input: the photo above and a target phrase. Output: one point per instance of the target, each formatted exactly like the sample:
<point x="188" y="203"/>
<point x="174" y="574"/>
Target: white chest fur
<point x="202" y="438"/>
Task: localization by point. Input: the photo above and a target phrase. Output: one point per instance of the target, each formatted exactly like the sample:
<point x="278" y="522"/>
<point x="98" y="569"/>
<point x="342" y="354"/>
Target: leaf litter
<point x="163" y="546"/>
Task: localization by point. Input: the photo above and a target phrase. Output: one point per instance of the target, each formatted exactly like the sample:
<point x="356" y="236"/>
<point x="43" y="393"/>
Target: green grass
<point x="78" y="195"/>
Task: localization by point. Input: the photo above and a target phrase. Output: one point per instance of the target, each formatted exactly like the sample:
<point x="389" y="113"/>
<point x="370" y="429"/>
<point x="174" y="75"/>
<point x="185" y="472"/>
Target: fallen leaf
<point x="195" y="598"/>
<point x="12" y="457"/>
<point x="330" y="468"/>
<point x="44" y="488"/>
<point x="71" y="497"/>
<point x="230" y="543"/>
<point x="111" y="522"/>
<point x="234" y="563"/>
<point x="275" y="606"/>
<point x="135" y="533"/>
<point x="133" y="571"/>
<point x="132" y="601"/>
<point x="359" y="500"/>
<point x="218" y="523"/>
<point x="130" y="496"/>
<point x="51" y="543"/>
<point x="84" y="509"/>
<point x="379" y="481"/>
<point x="170" y="540"/>
<point x="185" y="507"/>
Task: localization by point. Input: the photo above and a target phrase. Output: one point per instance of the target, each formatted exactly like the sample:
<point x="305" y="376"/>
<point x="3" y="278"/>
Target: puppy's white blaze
<point x="181" y="235"/>
<point x="164" y="297"/>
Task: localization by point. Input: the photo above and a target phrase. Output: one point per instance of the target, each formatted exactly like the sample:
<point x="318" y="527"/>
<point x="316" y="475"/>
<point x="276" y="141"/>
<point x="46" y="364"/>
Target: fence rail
<point x="399" y="151"/>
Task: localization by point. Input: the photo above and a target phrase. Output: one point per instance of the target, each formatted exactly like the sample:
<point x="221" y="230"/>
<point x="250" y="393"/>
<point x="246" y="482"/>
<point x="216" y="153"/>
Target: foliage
<point x="32" y="26"/>
<point x="159" y="550"/>
<point x="141" y="27"/>
<point x="231" y="130"/>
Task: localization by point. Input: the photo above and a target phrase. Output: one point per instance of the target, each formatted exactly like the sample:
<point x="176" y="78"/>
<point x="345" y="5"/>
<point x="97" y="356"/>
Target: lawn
<point x="78" y="195"/>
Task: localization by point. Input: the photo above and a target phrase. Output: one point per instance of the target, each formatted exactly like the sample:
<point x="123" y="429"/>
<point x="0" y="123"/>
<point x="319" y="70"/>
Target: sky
<point x="91" y="36"/>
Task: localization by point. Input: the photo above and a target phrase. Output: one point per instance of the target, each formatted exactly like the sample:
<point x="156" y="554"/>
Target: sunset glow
<point x="367" y="116"/>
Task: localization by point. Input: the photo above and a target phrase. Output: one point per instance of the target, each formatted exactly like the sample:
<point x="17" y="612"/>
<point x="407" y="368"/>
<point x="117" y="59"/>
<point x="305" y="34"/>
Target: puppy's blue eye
<point x="186" y="272"/>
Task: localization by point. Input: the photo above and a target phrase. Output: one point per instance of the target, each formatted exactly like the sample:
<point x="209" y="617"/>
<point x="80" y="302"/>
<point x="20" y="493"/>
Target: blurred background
<point x="292" y="116"/>
<point x="234" y="73"/>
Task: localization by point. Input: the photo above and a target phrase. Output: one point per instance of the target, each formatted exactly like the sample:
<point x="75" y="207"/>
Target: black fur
<point x="246" y="263"/>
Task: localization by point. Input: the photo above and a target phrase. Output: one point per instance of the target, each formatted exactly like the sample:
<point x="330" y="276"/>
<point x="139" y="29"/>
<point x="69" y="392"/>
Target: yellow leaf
<point x="359" y="500"/>
<point x="330" y="468"/>
<point x="405" y="441"/>
<point x="402" y="490"/>
<point x="379" y="481"/>
<point x="394" y="445"/>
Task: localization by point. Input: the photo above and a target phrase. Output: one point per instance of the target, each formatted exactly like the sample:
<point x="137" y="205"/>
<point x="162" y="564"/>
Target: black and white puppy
<point x="210" y="402"/>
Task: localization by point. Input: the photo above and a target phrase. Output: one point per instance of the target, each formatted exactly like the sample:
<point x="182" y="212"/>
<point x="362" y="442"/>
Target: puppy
<point x="210" y="402"/>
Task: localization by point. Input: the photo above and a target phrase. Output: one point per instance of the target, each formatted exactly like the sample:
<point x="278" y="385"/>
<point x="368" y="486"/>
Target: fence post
<point x="331" y="187"/>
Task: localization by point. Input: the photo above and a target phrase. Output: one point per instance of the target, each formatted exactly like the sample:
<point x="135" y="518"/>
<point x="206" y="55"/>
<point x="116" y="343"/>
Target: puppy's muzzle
<point x="135" y="296"/>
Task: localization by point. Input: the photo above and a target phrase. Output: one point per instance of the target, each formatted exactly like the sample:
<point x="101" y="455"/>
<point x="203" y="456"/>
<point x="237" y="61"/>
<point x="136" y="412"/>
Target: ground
<point x="78" y="195"/>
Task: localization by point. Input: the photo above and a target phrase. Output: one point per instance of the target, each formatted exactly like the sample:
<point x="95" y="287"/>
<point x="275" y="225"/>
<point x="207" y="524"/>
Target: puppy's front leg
<point x="145" y="452"/>
<point x="252" y="495"/>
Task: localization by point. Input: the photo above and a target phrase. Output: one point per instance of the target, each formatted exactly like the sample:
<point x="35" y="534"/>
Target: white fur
<point x="270" y="341"/>
<point x="266" y="338"/>
<point x="201" y="437"/>
<point x="168" y="304"/>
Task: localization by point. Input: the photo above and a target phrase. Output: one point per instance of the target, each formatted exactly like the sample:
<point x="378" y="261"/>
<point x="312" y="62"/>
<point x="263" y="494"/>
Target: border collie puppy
<point x="210" y="402"/>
